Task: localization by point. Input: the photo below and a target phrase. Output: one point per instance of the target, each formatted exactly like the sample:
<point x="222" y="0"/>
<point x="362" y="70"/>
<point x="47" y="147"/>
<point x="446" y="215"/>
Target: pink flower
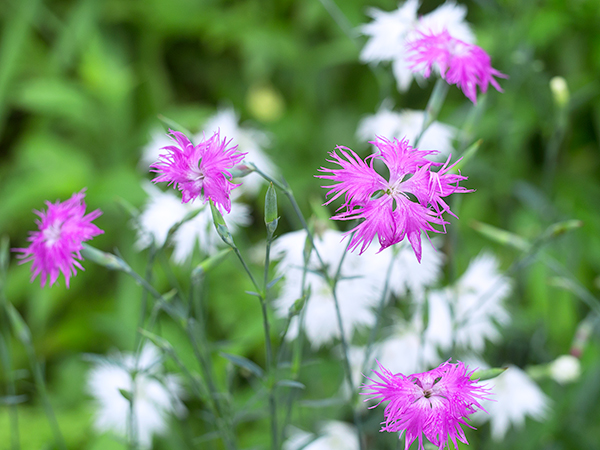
<point x="56" y="246"/>
<point x="434" y="403"/>
<point x="199" y="170"/>
<point x="409" y="202"/>
<point x="458" y="62"/>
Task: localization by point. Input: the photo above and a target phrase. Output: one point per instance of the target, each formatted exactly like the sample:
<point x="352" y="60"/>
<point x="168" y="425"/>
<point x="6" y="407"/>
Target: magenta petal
<point x="56" y="247"/>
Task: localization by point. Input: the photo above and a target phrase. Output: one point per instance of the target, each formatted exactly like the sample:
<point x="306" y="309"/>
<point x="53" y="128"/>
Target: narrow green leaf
<point x="290" y="383"/>
<point x="175" y="126"/>
<point x="488" y="374"/>
<point x="105" y="259"/>
<point x="18" y="324"/>
<point x="323" y="403"/>
<point x="501" y="236"/>
<point x="244" y="363"/>
<point x="211" y="262"/>
<point x="467" y="156"/>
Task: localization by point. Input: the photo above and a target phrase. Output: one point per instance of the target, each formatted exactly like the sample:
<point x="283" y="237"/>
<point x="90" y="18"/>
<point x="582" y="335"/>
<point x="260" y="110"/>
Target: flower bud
<point x="560" y="91"/>
<point x="565" y="369"/>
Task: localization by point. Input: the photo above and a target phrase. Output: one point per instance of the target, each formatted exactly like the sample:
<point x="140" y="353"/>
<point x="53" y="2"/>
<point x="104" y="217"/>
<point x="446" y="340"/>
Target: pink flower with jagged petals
<point x="434" y="403"/>
<point x="409" y="202"/>
<point x="57" y="245"/>
<point x="199" y="170"/>
<point x="466" y="65"/>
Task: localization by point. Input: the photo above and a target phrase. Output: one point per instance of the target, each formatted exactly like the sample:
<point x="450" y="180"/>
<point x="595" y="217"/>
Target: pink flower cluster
<point x="434" y="404"/>
<point x="411" y="201"/>
<point x="466" y="65"/>
<point x="57" y="245"/>
<point x="199" y="170"/>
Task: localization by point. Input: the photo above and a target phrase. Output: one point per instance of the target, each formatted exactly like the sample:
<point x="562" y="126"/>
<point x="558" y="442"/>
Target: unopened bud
<point x="565" y="369"/>
<point x="560" y="91"/>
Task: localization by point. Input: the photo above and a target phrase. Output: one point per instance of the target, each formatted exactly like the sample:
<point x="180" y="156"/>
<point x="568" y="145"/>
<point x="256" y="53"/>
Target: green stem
<point x="375" y="329"/>
<point x="5" y="356"/>
<point x="434" y="105"/>
<point x="41" y="388"/>
<point x="269" y="349"/>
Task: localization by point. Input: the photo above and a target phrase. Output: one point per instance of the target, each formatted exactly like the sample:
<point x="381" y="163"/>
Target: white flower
<point x="358" y="291"/>
<point x="155" y="395"/>
<point x="334" y="435"/>
<point x="565" y="369"/>
<point x="389" y="32"/>
<point x="165" y="209"/>
<point x="408" y="123"/>
<point x="407" y="273"/>
<point x="477" y="303"/>
<point x="153" y="149"/>
<point x="248" y="140"/>
<point x="407" y="350"/>
<point x="515" y="397"/>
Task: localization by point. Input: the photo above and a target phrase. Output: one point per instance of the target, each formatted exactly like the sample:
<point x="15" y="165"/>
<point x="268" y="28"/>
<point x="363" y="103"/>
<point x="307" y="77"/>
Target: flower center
<point x="427" y="393"/>
<point x="52" y="234"/>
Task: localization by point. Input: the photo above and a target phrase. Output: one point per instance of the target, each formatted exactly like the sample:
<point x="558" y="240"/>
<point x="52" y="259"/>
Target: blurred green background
<point x="82" y="83"/>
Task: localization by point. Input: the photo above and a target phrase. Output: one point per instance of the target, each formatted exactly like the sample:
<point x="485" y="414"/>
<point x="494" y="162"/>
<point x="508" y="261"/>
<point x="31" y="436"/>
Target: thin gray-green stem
<point x="269" y="349"/>
<point x="332" y="283"/>
<point x="6" y="355"/>
<point x="434" y="105"/>
<point x="375" y="329"/>
<point x="41" y="388"/>
<point x="261" y="293"/>
<point x="345" y="350"/>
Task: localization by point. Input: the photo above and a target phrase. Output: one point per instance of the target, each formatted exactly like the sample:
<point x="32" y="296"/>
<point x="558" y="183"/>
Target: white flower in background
<point x="408" y="123"/>
<point x="407" y="350"/>
<point x="155" y="395"/>
<point x="407" y="273"/>
<point x="164" y="209"/>
<point x="358" y="291"/>
<point x="389" y="32"/>
<point x="477" y="302"/>
<point x="248" y="140"/>
<point x="153" y="149"/>
<point x="333" y="435"/>
<point x="565" y="369"/>
<point x="515" y="397"/>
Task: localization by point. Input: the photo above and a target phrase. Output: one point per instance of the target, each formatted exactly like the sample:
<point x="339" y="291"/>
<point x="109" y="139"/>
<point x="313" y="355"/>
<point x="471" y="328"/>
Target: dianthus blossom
<point x="403" y="206"/>
<point x="56" y="247"/>
<point x="434" y="403"/>
<point x="199" y="170"/>
<point x="466" y="65"/>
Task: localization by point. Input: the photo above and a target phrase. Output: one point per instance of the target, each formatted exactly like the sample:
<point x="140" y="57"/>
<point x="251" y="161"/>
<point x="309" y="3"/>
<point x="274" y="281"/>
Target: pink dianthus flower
<point x="57" y="245"/>
<point x="434" y="403"/>
<point x="458" y="62"/>
<point x="199" y="170"/>
<point x="403" y="206"/>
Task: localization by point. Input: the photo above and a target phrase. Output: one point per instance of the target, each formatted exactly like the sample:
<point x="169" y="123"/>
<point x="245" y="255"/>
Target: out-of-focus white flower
<point x="408" y="123"/>
<point x="477" y="303"/>
<point x="516" y="396"/>
<point x="389" y="32"/>
<point x="152" y="150"/>
<point x="155" y="395"/>
<point x="164" y="209"/>
<point x="407" y="273"/>
<point x="565" y="369"/>
<point x="358" y="291"/>
<point x="248" y="140"/>
<point x="407" y="350"/>
<point x="333" y="435"/>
